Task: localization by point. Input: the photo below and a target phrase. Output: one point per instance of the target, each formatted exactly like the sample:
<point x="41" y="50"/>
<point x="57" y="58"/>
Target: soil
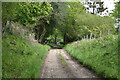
<point x="53" y="68"/>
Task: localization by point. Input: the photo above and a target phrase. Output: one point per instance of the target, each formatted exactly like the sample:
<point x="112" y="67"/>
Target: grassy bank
<point x="21" y="59"/>
<point x="101" y="54"/>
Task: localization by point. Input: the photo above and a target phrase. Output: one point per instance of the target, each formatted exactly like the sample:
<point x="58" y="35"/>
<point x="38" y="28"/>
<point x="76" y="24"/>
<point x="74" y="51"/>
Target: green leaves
<point x="8" y="11"/>
<point x="69" y="18"/>
<point x="89" y="23"/>
<point x="29" y="13"/>
<point x="116" y="11"/>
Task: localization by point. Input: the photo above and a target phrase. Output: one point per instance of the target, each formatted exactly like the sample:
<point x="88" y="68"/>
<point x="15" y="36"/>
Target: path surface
<point x="53" y="68"/>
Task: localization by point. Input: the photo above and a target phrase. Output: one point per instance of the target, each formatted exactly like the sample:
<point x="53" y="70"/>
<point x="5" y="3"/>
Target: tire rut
<point x="53" y="68"/>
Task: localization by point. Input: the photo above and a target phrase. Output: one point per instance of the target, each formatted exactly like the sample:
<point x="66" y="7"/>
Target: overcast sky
<point x="109" y="4"/>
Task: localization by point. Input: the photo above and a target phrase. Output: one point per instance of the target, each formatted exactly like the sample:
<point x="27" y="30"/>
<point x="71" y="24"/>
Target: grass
<point x="63" y="62"/>
<point x="20" y="58"/>
<point x="101" y="55"/>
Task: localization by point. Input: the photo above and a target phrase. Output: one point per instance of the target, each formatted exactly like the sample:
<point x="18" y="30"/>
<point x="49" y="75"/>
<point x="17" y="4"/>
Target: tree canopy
<point x="116" y="11"/>
<point x="67" y="20"/>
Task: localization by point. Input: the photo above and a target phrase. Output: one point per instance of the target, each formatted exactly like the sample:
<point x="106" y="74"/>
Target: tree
<point x="69" y="19"/>
<point x="101" y="7"/>
<point x="29" y="13"/>
<point x="69" y="13"/>
<point x="116" y="14"/>
<point x="8" y="15"/>
<point x="95" y="9"/>
<point x="89" y="23"/>
<point x="116" y="11"/>
<point x="59" y="15"/>
<point x="44" y="15"/>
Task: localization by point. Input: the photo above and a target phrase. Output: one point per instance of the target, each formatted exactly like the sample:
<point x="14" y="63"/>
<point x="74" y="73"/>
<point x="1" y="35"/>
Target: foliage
<point x="116" y="11"/>
<point x="94" y="24"/>
<point x="69" y="18"/>
<point x="94" y="6"/>
<point x="65" y="15"/>
<point x="8" y="11"/>
<point x="101" y="55"/>
<point x="25" y="12"/>
<point x="116" y="15"/>
<point x="21" y="59"/>
<point x="74" y="23"/>
<point x="29" y="13"/>
<point x="64" y="21"/>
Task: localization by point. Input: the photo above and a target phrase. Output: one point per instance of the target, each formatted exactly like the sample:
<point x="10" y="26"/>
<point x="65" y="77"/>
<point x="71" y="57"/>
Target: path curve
<point x="53" y="68"/>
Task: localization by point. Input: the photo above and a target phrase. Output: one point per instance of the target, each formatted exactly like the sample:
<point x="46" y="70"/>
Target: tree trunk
<point x="7" y="27"/>
<point x="93" y="8"/>
<point x="55" y="39"/>
<point x="64" y="38"/>
<point x="42" y="35"/>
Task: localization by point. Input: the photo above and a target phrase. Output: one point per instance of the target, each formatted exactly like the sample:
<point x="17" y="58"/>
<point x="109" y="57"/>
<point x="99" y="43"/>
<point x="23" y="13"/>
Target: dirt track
<point x="53" y="68"/>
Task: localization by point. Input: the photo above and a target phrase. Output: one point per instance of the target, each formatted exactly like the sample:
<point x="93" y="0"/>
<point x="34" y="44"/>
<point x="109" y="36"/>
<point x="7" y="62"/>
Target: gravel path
<point x="53" y="68"/>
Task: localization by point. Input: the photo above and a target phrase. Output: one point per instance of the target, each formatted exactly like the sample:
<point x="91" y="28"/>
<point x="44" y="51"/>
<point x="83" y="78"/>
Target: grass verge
<point x="63" y="62"/>
<point x="20" y="58"/>
<point x="101" y="55"/>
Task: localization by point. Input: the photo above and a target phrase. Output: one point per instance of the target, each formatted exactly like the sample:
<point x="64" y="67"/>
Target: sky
<point x="107" y="4"/>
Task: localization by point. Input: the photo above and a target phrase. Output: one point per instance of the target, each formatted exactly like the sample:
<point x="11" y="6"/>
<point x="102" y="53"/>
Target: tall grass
<point x="101" y="55"/>
<point x="20" y="58"/>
